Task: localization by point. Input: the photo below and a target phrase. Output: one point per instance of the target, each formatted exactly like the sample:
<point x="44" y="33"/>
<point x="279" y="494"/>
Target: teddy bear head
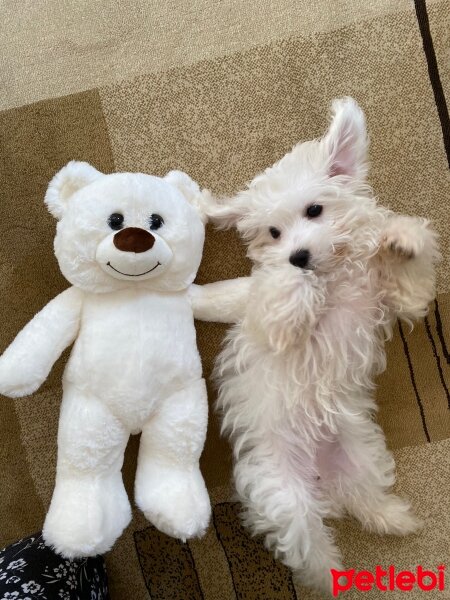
<point x="126" y="229"/>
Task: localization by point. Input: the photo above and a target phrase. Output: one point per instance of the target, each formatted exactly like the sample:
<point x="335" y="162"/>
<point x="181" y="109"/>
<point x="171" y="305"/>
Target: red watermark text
<point x="388" y="580"/>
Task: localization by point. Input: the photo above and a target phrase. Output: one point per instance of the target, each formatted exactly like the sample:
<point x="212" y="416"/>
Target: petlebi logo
<point x="388" y="580"/>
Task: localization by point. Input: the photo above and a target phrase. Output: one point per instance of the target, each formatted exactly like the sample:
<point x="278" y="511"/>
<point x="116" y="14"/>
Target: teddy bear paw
<point x="85" y="518"/>
<point x="176" y="503"/>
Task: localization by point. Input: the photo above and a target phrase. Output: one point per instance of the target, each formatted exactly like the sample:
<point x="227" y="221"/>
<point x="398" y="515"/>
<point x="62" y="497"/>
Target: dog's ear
<point x="224" y="212"/>
<point x="346" y="140"/>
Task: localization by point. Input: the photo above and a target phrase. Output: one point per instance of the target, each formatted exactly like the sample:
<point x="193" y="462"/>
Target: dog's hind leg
<point x="278" y="487"/>
<point x="360" y="477"/>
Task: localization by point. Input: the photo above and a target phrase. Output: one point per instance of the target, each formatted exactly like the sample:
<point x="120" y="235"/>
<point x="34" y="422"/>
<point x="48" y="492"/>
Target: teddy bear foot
<point x="86" y="516"/>
<point x="176" y="502"/>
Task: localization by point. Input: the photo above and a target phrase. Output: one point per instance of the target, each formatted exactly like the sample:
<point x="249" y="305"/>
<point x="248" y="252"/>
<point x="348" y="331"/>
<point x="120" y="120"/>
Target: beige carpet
<point x="222" y="90"/>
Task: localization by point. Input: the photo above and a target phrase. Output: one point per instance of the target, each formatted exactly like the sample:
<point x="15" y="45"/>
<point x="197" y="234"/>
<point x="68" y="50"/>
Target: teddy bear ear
<point x="190" y="190"/>
<point x="71" y="178"/>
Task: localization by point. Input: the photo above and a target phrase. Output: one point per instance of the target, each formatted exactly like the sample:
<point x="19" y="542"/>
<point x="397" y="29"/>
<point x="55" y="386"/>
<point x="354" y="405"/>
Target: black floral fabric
<point x="30" y="570"/>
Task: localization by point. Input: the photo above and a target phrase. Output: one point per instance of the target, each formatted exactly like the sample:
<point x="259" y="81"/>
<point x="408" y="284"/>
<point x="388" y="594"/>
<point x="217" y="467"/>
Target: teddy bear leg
<point x="169" y="487"/>
<point x="90" y="507"/>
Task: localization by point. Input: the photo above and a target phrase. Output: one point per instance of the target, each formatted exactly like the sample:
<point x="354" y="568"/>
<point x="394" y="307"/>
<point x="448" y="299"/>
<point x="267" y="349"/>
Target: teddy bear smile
<point x="132" y="275"/>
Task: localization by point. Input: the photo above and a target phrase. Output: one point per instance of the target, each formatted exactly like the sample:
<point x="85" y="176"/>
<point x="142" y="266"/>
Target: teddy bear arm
<point x="27" y="361"/>
<point x="222" y="301"/>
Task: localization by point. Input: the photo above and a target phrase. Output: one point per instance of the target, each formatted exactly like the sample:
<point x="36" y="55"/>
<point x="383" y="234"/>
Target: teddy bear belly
<point x="134" y="388"/>
<point x="134" y="359"/>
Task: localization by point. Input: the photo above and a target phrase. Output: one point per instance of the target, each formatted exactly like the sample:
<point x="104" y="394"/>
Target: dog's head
<point x="313" y="210"/>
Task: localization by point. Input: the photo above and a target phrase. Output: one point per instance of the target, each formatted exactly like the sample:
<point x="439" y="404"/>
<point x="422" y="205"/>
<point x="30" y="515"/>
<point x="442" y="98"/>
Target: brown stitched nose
<point x="133" y="239"/>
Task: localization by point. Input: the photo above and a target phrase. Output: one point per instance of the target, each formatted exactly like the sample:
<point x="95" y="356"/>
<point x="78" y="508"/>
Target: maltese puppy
<point x="332" y="272"/>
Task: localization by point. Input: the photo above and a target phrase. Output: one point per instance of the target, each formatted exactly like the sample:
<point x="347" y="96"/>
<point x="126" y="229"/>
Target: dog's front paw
<point x="176" y="502"/>
<point x="401" y="246"/>
<point x="404" y="236"/>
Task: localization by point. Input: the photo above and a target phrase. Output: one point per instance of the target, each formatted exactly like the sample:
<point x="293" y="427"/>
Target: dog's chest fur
<point x="327" y="371"/>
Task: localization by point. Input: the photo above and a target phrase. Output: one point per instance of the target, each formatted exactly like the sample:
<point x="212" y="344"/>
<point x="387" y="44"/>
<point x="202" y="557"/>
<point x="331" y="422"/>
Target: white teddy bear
<point x="130" y="244"/>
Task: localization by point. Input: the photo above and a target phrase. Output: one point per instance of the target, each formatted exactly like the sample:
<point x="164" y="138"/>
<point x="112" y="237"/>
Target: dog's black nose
<point x="300" y="258"/>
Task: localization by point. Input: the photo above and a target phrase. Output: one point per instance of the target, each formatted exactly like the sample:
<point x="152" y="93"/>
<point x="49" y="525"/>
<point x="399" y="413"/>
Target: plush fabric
<point x="130" y="245"/>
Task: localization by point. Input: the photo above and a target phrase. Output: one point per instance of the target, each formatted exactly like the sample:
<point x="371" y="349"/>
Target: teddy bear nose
<point x="300" y="258"/>
<point x="133" y="239"/>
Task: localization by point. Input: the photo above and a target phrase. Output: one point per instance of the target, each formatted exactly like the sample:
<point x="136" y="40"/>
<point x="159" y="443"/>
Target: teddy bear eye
<point x="314" y="210"/>
<point x="156" y="221"/>
<point x="274" y="232"/>
<point x="115" y="221"/>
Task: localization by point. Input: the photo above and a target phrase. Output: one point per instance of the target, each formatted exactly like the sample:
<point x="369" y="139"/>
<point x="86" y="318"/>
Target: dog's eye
<point x="156" y="221"/>
<point x="274" y="232"/>
<point x="314" y="210"/>
<point x="115" y="221"/>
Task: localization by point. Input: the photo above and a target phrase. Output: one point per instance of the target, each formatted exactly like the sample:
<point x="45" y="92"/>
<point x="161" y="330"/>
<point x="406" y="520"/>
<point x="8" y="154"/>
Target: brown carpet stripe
<point x="440" y="331"/>
<point x="413" y="381"/>
<point x="36" y="141"/>
<point x="433" y="72"/>
<point x="256" y="574"/>
<point x="438" y="361"/>
<point x="167" y="566"/>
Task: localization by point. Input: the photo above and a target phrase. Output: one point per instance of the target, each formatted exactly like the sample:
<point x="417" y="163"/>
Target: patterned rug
<point x="222" y="90"/>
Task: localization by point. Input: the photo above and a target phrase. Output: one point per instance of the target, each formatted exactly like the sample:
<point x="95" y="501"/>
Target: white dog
<point x="333" y="271"/>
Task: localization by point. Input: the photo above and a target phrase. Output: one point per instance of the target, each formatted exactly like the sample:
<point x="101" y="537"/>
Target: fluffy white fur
<point x="134" y="366"/>
<point x="297" y="371"/>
